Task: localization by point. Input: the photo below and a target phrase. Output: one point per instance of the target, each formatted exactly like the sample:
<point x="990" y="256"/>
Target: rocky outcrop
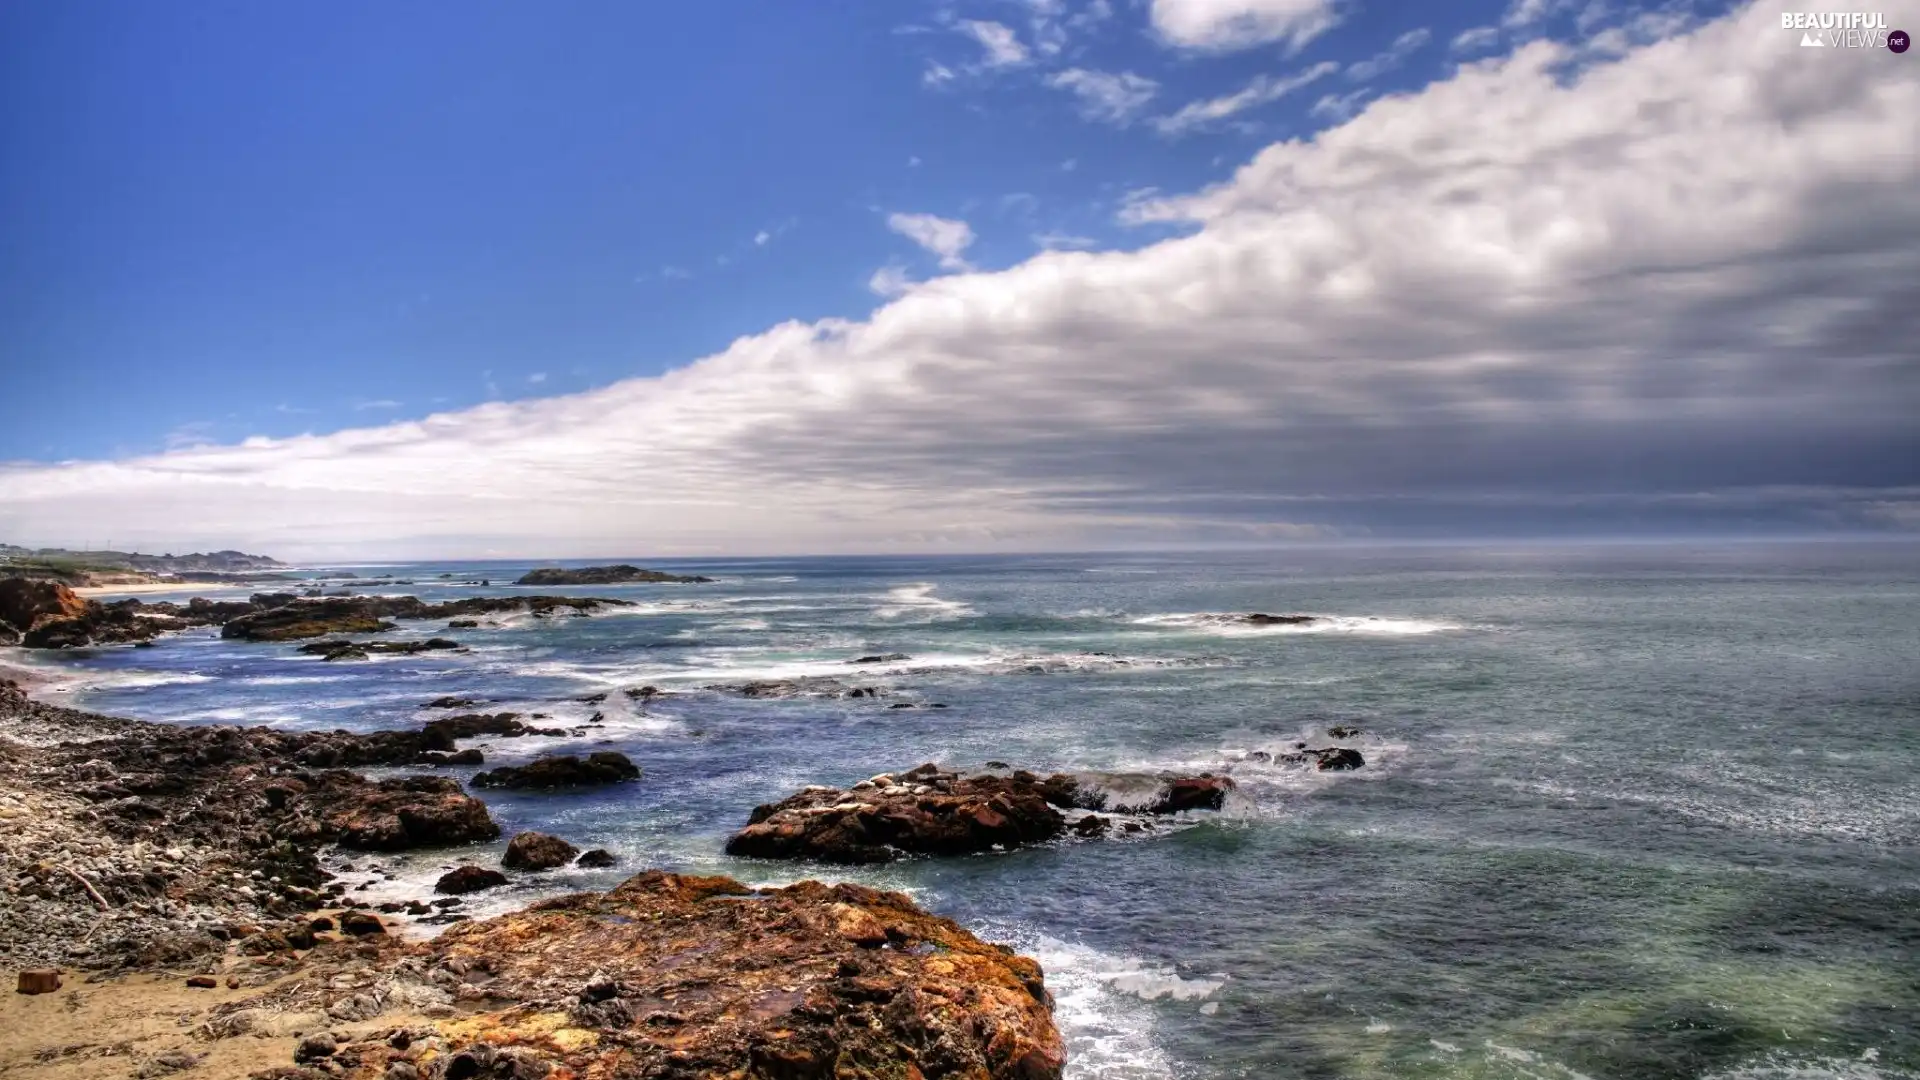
<point x="443" y="733"/>
<point x="621" y="574"/>
<point x="25" y="602"/>
<point x="923" y="811"/>
<point x="671" y="977"/>
<point x="1326" y="759"/>
<point x="598" y="858"/>
<point x="928" y="811"/>
<point x="311" y="617"/>
<point x="812" y="686"/>
<point x="1259" y="618"/>
<point x="562" y="771"/>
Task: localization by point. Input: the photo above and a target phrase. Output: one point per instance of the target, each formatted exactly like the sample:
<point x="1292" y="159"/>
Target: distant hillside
<point x="75" y="565"/>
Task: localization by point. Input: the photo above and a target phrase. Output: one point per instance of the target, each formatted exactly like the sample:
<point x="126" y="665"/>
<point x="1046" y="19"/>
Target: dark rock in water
<point x="881" y="658"/>
<point x="809" y="982"/>
<point x="265" y="600"/>
<point x="1259" y="618"/>
<point x="606" y="575"/>
<point x="1203" y="792"/>
<point x="565" y="771"/>
<point x="469" y="756"/>
<point x="537" y="851"/>
<point x="1338" y="759"/>
<point x="466" y="879"/>
<point x="443" y="733"/>
<point x="596" y="859"/>
<point x="813" y="686"/>
<point x="1091" y="825"/>
<point x="359" y="650"/>
<point x="450" y="703"/>
<point x="1342" y="731"/>
<point x="922" y="811"/>
<point x="463" y="624"/>
<point x="644" y="693"/>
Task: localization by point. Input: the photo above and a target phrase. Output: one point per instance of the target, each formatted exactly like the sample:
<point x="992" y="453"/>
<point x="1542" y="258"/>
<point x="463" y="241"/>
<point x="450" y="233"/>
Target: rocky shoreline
<point x="193" y="852"/>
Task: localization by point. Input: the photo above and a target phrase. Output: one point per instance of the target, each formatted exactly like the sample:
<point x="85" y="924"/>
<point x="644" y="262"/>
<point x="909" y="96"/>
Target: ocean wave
<point x="137" y="680"/>
<point x="1233" y="624"/>
<point x="1779" y="1066"/>
<point x="1102" y="1004"/>
<point x="917" y="599"/>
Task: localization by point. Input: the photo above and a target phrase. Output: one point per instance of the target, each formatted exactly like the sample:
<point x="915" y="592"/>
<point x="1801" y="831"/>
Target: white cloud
<point x="1108" y="97"/>
<point x="944" y="238"/>
<point x="380" y="405"/>
<point x="1064" y="241"/>
<point x="936" y="75"/>
<point x="1263" y="90"/>
<point x="537" y="378"/>
<point x="1477" y="39"/>
<point x="890" y="280"/>
<point x="761" y="238"/>
<point x="1391" y="57"/>
<point x="1682" y="278"/>
<point x="1225" y="25"/>
<point x="1002" y="45"/>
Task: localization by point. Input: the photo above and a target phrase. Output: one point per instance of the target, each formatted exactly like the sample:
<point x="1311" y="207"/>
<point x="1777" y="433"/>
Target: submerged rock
<point x="686" y="977"/>
<point x="360" y="650"/>
<point x="537" y="851"/>
<point x="321" y="616"/>
<point x="596" y="859"/>
<point x="563" y="771"/>
<point x="606" y="575"/>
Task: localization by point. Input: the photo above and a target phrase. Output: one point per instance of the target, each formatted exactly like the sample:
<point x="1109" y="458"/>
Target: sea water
<point x="1628" y="812"/>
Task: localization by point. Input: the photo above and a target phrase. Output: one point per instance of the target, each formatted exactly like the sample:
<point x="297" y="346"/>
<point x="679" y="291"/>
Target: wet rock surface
<point x="322" y="616"/>
<point x="361" y="650"/>
<point x="930" y="811"/>
<point x="562" y="771"/>
<point x="683" y="977"/>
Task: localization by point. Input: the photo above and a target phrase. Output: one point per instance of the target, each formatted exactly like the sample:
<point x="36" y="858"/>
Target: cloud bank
<point x="1542" y="294"/>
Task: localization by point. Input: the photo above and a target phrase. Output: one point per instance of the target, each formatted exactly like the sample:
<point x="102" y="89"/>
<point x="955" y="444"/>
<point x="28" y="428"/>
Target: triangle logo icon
<point x="1808" y="41"/>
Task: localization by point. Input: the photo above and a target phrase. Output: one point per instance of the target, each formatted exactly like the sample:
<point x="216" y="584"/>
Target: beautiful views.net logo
<point x="1845" y="30"/>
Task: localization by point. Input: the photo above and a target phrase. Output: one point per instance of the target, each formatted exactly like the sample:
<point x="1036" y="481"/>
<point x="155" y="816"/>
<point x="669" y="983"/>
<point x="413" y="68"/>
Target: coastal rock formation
<point x="811" y="686"/>
<point x="442" y="734"/>
<point x="621" y="574"/>
<point x="537" y="851"/>
<point x="25" y="601"/>
<point x="562" y="771"/>
<point x="1258" y="618"/>
<point x="672" y="976"/>
<point x="320" y="616"/>
<point x="1325" y="759"/>
<point x="928" y="811"/>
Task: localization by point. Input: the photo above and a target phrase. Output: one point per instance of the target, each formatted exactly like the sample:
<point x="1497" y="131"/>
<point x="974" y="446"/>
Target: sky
<point x="414" y="280"/>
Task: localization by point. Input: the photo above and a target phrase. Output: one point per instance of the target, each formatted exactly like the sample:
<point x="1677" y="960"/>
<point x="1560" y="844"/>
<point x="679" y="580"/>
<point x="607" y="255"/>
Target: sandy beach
<point x="144" y="588"/>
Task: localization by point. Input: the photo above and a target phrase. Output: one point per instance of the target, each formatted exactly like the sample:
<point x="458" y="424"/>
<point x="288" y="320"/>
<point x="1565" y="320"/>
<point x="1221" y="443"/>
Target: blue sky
<point x="385" y="280"/>
<point x="269" y="219"/>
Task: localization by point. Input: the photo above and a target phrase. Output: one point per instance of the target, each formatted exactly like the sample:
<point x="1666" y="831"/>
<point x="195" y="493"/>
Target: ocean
<point x="1628" y="811"/>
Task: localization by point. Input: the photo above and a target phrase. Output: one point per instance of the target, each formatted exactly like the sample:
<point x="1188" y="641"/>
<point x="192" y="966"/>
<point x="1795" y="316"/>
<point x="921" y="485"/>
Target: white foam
<point x="139" y="680"/>
<point x="917" y="599"/>
<point x="1781" y="1067"/>
<point x="1226" y="624"/>
<point x="1101" y="1005"/>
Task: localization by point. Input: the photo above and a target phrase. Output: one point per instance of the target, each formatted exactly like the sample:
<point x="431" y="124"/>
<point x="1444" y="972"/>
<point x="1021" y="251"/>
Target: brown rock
<point x="38" y="981"/>
<point x="401" y="813"/>
<point x="670" y="976"/>
<point x="361" y="924"/>
<point x="562" y="771"/>
<point x="466" y="879"/>
<point x="203" y="982"/>
<point x="25" y="601"/>
<point x="537" y="851"/>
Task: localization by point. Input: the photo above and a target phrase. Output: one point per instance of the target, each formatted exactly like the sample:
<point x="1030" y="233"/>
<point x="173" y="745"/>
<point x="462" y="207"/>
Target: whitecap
<point x="917" y="599"/>
<point x="1230" y="624"/>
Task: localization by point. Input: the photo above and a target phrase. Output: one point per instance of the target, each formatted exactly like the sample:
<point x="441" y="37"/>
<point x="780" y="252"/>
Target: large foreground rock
<point x="606" y="575"/>
<point x="554" y="773"/>
<point x="537" y="851"/>
<point x="399" y="814"/>
<point x="677" y="978"/>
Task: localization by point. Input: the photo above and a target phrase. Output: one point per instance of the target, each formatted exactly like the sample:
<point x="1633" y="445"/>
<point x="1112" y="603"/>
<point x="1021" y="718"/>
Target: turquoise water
<point x="1628" y="811"/>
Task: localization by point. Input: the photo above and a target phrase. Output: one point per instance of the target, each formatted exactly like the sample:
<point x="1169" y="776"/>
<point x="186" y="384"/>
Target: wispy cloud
<point x="1064" y="241"/>
<point x="1264" y="89"/>
<point x="890" y="280"/>
<point x="1001" y="45"/>
<point x="537" y="378"/>
<point x="1227" y="25"/>
<point x="1108" y="97"/>
<point x="1391" y="57"/>
<point x="944" y="238"/>
<point x="1476" y="40"/>
<point x="1339" y="108"/>
<point x="376" y="405"/>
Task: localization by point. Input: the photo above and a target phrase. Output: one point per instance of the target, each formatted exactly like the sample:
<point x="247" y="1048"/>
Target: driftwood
<point x="88" y="885"/>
